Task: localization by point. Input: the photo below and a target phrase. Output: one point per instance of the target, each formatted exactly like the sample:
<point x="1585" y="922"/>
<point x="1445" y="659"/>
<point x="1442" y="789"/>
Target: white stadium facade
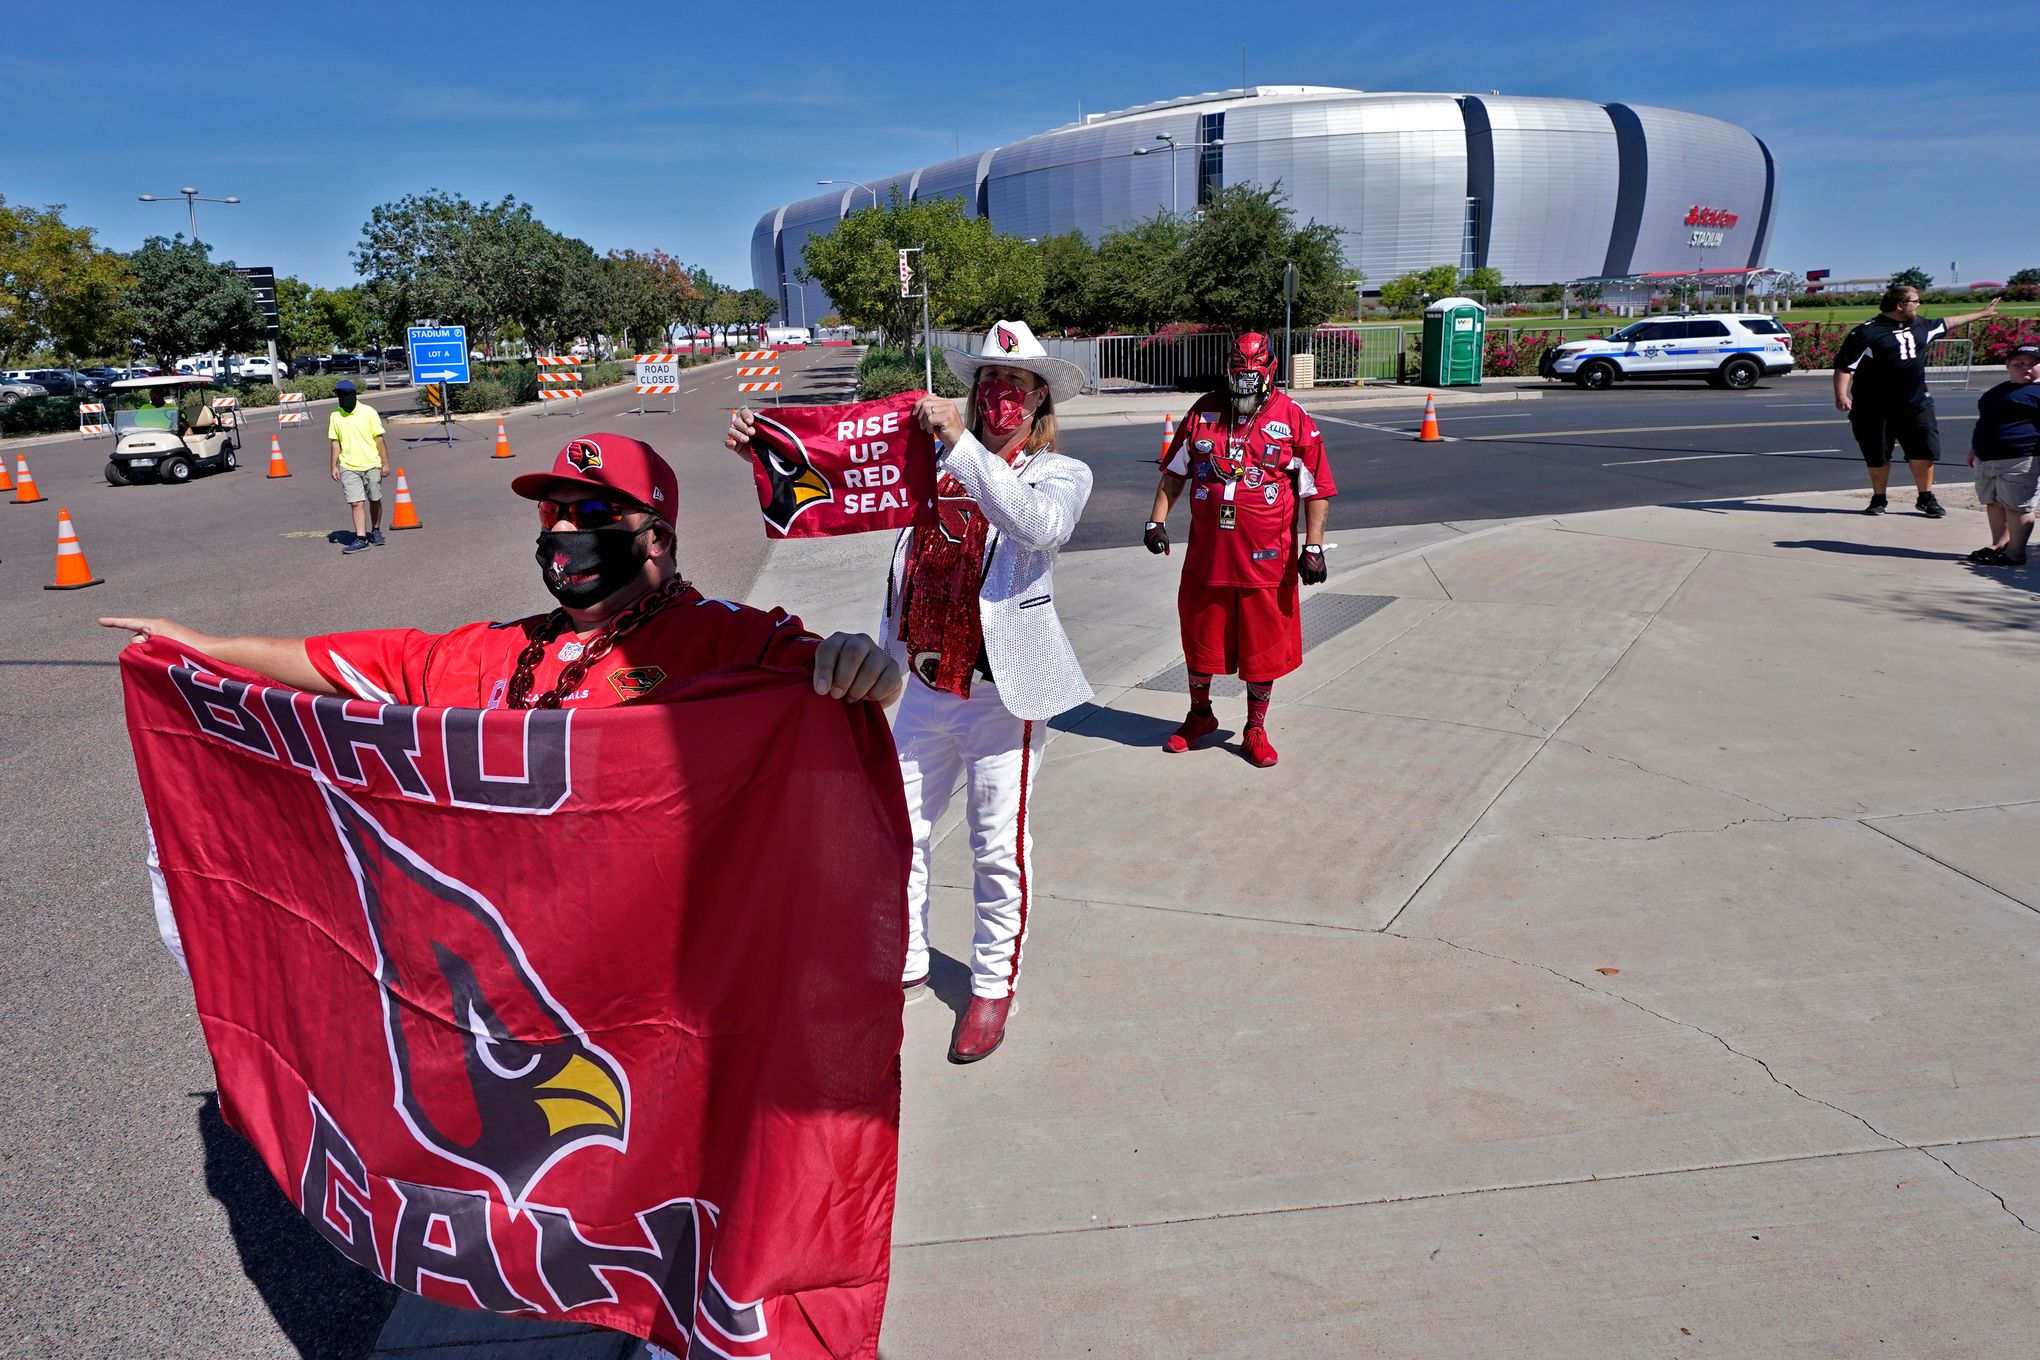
<point x="1544" y="190"/>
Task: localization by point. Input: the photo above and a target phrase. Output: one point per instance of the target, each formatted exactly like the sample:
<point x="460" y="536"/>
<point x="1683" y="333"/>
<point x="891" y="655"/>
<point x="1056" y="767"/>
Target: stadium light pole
<point x="865" y="187"/>
<point x="192" y="198"/>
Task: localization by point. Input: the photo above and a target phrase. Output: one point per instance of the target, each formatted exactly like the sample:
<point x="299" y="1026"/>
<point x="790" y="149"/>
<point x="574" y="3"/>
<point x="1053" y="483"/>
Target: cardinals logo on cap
<point x="491" y="1072"/>
<point x="797" y="484"/>
<point x="584" y="454"/>
<point x="1007" y="341"/>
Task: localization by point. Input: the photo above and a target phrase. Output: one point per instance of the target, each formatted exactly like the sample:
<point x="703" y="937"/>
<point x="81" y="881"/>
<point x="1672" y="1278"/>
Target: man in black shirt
<point x="1881" y="385"/>
<point x="2003" y="451"/>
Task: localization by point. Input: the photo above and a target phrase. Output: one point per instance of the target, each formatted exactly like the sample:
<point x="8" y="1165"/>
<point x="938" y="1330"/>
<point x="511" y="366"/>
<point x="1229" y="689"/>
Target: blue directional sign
<point x="438" y="354"/>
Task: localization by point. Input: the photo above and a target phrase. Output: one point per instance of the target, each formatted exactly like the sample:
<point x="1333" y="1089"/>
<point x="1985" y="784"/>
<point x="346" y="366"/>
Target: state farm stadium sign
<point x="1711" y="223"/>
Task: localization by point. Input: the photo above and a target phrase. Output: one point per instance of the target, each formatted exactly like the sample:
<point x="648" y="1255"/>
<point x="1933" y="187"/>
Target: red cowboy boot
<point x="982" y="1030"/>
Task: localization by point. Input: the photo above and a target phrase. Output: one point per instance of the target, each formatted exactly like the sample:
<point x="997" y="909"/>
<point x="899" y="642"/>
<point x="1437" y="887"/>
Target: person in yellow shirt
<point x="360" y="462"/>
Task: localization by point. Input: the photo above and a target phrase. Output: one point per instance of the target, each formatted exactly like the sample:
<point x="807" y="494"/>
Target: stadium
<point x="1543" y="190"/>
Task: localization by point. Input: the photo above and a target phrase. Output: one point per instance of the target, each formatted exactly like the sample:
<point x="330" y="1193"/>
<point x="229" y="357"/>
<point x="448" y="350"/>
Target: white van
<point x="786" y="337"/>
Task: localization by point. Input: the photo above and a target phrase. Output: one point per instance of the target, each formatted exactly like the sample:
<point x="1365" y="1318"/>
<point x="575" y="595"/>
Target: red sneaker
<point x="1255" y="746"/>
<point x="982" y="1030"/>
<point x="1201" y="723"/>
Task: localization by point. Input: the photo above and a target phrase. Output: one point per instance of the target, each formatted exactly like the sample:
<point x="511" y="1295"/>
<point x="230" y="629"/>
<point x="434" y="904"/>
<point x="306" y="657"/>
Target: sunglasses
<point x="593" y="513"/>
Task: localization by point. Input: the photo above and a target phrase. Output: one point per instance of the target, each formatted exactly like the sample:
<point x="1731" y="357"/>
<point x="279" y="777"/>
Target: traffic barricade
<point x="758" y="364"/>
<point x="290" y="408"/>
<point x="658" y="375"/>
<point x="559" y="379"/>
<point x="92" y="422"/>
<point x="227" y="410"/>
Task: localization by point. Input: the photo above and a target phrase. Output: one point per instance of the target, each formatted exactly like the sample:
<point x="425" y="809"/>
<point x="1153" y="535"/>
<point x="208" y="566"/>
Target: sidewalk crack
<point x="1425" y="558"/>
<point x="1898" y="1143"/>
<point x="1660" y="774"/>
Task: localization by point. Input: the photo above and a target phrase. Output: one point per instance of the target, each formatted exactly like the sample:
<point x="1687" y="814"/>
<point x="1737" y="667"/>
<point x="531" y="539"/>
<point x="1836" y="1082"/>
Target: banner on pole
<point x="822" y="471"/>
<point x="503" y="1054"/>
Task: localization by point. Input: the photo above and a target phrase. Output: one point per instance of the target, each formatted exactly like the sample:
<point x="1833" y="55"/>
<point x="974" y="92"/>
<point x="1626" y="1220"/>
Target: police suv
<point x="1728" y="350"/>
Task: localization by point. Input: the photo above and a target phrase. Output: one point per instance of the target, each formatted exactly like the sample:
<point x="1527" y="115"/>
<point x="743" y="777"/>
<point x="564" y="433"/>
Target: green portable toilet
<point x="1455" y="340"/>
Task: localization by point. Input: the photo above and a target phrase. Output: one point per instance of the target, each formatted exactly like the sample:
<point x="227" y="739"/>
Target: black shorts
<point x="1915" y="431"/>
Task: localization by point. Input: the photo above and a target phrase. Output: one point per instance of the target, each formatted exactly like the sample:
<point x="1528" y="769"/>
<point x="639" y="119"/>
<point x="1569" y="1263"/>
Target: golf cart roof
<point x="167" y="380"/>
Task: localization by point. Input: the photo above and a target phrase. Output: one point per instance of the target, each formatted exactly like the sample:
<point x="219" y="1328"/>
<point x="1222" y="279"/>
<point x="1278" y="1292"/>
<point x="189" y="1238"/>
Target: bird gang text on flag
<point x="828" y="470"/>
<point x="590" y="1016"/>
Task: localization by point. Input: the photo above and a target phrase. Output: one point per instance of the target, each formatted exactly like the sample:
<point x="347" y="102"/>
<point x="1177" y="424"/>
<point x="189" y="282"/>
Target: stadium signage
<point x="1698" y="216"/>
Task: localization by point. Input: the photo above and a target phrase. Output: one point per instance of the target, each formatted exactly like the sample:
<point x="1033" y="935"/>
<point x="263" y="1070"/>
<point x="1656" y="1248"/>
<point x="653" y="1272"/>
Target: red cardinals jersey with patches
<point x="471" y="666"/>
<point x="1245" y="480"/>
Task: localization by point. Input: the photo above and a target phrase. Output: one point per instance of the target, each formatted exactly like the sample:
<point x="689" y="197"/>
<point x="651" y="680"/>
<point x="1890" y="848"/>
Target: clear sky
<point x="1902" y="132"/>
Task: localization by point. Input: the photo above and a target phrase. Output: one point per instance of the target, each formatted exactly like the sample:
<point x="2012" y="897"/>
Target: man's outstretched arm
<point x="284" y="660"/>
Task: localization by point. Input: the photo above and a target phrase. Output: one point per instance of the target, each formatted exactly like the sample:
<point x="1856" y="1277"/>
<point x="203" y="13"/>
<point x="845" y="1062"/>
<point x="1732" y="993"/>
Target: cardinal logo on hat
<point x="584" y="454"/>
<point x="797" y="484"/>
<point x="1006" y="339"/>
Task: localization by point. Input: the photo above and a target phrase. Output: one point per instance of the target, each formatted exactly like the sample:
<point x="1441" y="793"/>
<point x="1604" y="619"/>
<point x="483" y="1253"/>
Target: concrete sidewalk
<point x="1631" y="955"/>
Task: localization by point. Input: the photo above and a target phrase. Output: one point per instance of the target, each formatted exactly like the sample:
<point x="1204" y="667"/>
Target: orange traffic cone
<point x="1168" y="432"/>
<point x="277" y="467"/>
<point x="502" y="443"/>
<point x="1428" y="432"/>
<point x="6" y="482"/>
<point x="404" y="515"/>
<point x="24" y="483"/>
<point x="72" y="573"/>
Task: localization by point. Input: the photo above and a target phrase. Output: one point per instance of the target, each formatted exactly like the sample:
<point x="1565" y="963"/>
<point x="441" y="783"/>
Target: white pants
<point x="941" y="737"/>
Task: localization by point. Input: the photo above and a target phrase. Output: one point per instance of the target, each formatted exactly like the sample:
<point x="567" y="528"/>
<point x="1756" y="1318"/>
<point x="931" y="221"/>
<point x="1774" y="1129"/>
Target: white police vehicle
<point x="1727" y="349"/>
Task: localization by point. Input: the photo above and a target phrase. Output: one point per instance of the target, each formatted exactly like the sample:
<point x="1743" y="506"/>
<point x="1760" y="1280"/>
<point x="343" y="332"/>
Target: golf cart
<point x="155" y="442"/>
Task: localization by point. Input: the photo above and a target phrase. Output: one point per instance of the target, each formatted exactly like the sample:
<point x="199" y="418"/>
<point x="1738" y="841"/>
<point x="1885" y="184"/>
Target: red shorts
<point x="1227" y="630"/>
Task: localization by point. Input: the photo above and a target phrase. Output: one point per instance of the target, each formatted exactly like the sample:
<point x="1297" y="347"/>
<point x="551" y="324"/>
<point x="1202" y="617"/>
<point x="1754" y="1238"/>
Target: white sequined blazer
<point x="1032" y="511"/>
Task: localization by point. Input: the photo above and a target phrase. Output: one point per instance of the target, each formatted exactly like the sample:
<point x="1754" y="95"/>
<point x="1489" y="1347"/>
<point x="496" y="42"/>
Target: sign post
<point x="262" y="281"/>
<point x="439" y="354"/>
<point x="1288" y="304"/>
<point x="908" y="269"/>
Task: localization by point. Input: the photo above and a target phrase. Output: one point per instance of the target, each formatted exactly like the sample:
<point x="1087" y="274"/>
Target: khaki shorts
<point x="361" y="484"/>
<point x="2013" y="482"/>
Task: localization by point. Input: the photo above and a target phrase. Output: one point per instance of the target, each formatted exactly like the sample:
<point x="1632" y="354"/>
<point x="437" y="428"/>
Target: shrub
<point x="889" y="372"/>
<point x="483" y="394"/>
<point x="39" y="415"/>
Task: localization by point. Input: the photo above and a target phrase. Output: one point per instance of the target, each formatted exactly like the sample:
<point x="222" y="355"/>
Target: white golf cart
<point x="155" y="442"/>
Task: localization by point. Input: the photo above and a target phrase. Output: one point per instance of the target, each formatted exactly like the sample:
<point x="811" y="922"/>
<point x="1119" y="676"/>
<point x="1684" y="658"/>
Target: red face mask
<point x="1001" y="407"/>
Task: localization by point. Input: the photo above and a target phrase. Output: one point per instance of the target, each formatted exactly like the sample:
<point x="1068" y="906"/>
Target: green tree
<point x="755" y="307"/>
<point x="1406" y="293"/>
<point x="1913" y="277"/>
<point x="185" y="304"/>
<point x="58" y="291"/>
<point x="1485" y="283"/>
<point x="2024" y="278"/>
<point x="301" y="321"/>
<point x="971" y="273"/>
<point x="1233" y="261"/>
<point x="1137" y="279"/>
<point x="1069" y="283"/>
<point x="647" y="294"/>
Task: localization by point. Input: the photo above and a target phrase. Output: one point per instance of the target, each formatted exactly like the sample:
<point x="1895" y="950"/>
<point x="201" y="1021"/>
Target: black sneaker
<point x="1929" y="506"/>
<point x="355" y="545"/>
<point x="1876" y="506"/>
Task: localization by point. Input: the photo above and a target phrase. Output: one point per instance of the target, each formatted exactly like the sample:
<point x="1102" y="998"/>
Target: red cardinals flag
<point x="590" y="1016"/>
<point x="828" y="470"/>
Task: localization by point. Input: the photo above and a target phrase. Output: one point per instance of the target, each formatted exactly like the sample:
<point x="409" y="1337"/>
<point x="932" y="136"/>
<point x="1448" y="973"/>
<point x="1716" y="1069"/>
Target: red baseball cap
<point x="615" y="463"/>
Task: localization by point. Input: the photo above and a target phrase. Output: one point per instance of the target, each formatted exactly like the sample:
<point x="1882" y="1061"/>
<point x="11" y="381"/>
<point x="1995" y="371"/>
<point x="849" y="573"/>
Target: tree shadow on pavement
<point x="325" y="1305"/>
<point x="1866" y="549"/>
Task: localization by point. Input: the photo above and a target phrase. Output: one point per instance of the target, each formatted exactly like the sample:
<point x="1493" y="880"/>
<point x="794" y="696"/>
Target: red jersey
<point x="1246" y="478"/>
<point x="471" y="666"/>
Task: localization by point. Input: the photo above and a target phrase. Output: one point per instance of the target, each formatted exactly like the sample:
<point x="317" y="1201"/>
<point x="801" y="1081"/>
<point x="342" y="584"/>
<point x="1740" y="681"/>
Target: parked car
<point x="253" y="368"/>
<point x="1732" y="351"/>
<point x="786" y="337"/>
<point x="95" y="380"/>
<point x="396" y="358"/>
<point x="58" y="382"/>
<point x="307" y="364"/>
<point x="17" y="389"/>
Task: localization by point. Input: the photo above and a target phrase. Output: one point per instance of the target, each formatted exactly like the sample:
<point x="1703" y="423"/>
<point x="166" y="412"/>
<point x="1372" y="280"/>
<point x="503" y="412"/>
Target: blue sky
<point x="1897" y="129"/>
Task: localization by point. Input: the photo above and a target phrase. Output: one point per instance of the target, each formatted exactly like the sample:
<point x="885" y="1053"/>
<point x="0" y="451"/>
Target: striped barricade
<point x="758" y="387"/>
<point x="228" y="410"/>
<point x="559" y="379"/>
<point x="290" y="408"/>
<point x="92" y="420"/>
<point x="756" y="356"/>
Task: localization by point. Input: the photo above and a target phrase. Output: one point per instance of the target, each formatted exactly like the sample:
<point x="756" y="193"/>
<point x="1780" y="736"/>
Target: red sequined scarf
<point x="939" y="618"/>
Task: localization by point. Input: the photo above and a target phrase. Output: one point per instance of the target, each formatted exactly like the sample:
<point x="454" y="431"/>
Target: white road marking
<point x="1701" y="457"/>
<point x="1666" y="429"/>
<point x="1380" y="429"/>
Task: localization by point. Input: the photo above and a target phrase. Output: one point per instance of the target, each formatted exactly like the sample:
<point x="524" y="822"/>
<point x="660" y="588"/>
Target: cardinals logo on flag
<point x="797" y="484"/>
<point x="584" y="454"/>
<point x="479" y="1095"/>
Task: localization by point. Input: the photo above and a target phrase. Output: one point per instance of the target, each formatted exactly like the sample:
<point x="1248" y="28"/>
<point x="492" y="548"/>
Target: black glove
<point x="1311" y="566"/>
<point x="1157" y="539"/>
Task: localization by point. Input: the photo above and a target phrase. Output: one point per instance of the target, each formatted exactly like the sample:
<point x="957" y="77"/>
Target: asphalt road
<point x="141" y="1225"/>
<point x="1569" y="451"/>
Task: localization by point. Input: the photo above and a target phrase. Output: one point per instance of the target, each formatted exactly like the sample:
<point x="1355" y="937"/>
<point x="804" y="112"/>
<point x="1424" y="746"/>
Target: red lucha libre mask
<point x="1250" y="368"/>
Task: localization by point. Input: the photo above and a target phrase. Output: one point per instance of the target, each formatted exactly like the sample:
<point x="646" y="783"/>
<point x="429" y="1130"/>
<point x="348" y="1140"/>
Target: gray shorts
<point x="2012" y="482"/>
<point x="361" y="484"/>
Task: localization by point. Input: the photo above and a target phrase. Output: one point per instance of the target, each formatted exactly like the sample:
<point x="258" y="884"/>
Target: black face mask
<point x="612" y="556"/>
<point x="347" y="402"/>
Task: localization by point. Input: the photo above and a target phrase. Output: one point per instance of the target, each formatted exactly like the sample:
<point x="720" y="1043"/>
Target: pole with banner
<point x="908" y="270"/>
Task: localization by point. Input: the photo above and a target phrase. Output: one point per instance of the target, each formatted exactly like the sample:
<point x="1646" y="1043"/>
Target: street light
<point x="865" y="187"/>
<point x="1170" y="139"/>
<point x="192" y="198"/>
<point x="784" y="282"/>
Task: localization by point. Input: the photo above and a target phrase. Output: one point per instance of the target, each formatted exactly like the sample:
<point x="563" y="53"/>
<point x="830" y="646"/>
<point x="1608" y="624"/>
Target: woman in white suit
<point x="970" y="611"/>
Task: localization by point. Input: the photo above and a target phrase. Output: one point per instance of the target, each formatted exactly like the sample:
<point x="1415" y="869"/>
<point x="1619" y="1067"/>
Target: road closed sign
<point x="658" y="373"/>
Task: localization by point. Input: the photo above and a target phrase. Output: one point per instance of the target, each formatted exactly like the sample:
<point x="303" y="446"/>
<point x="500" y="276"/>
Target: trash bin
<point x="1455" y="339"/>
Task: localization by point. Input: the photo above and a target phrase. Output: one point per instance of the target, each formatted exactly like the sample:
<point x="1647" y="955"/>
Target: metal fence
<point x="1950" y="361"/>
<point x="1343" y="355"/>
